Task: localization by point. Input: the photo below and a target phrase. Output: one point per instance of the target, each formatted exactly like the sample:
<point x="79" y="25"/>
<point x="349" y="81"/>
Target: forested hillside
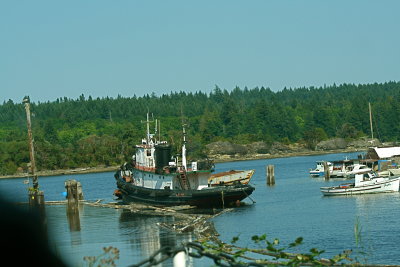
<point x="90" y="131"/>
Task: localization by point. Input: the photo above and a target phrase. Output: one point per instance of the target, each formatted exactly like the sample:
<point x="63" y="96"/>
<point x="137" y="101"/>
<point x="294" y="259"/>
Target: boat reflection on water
<point x="146" y="237"/>
<point x="379" y="204"/>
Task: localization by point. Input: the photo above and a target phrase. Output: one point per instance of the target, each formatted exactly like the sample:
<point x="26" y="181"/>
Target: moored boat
<point x="157" y="178"/>
<point x="355" y="169"/>
<point x="319" y="169"/>
<point x="231" y="177"/>
<point x="364" y="184"/>
<point x="340" y="167"/>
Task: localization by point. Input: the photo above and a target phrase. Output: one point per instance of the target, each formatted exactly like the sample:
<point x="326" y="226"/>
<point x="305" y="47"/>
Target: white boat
<point x="355" y="169"/>
<point x="339" y="167"/>
<point x="364" y="184"/>
<point x="231" y="177"/>
<point x="320" y="169"/>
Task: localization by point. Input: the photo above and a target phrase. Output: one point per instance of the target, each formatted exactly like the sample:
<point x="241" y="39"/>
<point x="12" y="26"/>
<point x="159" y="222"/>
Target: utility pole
<point x="30" y="139"/>
<point x="36" y="197"/>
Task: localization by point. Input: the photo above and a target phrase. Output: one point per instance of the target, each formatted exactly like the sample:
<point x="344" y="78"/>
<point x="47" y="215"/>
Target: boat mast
<point x="159" y="131"/>
<point x="370" y="121"/>
<point x="184" y="147"/>
<point x="148" y="129"/>
<point x="148" y="134"/>
<point x="156" y="130"/>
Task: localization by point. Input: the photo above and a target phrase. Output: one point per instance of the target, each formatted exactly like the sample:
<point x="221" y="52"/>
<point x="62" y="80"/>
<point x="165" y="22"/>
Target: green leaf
<point x="299" y="240"/>
<point x="234" y="239"/>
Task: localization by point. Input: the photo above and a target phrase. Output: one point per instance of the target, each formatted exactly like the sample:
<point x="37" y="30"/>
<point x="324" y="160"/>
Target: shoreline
<point x="228" y="158"/>
<point x="219" y="159"/>
<point x="63" y="172"/>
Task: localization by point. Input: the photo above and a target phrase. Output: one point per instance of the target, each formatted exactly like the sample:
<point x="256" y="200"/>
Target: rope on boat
<point x="248" y="196"/>
<point x="222" y="197"/>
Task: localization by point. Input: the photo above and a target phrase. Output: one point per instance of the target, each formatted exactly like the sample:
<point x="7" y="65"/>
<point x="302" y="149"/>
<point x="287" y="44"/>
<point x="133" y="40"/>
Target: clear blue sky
<point x="101" y="48"/>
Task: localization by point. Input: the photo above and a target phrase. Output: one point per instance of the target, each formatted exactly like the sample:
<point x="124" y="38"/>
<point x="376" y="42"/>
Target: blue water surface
<point x="293" y="207"/>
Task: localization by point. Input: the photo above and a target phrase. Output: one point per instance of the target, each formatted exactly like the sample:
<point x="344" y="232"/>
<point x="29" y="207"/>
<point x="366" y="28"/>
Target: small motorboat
<point x="364" y="184"/>
<point x="354" y="169"/>
<point x="319" y="170"/>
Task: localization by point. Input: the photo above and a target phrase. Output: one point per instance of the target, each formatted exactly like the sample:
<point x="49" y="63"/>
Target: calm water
<point x="293" y="207"/>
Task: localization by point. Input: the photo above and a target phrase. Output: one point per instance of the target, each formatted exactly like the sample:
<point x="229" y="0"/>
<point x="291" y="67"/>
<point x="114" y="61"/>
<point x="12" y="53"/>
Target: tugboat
<point x="156" y="178"/>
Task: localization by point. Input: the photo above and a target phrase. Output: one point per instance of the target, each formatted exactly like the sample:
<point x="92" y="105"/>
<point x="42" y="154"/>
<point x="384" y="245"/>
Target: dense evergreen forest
<point x="88" y="131"/>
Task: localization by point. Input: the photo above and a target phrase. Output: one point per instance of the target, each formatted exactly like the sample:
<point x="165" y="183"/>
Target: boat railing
<point x="144" y="168"/>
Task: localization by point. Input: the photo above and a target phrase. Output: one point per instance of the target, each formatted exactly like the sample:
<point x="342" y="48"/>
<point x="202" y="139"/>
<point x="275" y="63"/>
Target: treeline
<point x="90" y="131"/>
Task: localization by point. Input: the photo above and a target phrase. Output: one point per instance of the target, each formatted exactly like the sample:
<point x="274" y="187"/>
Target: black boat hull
<point x="217" y="196"/>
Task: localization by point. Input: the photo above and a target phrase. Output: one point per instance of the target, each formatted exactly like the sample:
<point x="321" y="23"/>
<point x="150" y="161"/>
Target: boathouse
<point x="384" y="157"/>
<point x="380" y="153"/>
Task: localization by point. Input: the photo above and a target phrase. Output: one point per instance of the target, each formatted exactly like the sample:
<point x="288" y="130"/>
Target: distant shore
<point x="217" y="159"/>
<point x="63" y="172"/>
<point x="228" y="158"/>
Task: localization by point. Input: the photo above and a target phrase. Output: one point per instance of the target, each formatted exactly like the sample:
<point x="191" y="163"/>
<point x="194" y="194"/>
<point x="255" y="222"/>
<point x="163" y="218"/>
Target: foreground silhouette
<point x="23" y="238"/>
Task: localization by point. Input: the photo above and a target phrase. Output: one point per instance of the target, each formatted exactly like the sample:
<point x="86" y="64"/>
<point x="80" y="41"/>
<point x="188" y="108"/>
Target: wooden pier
<point x="188" y="218"/>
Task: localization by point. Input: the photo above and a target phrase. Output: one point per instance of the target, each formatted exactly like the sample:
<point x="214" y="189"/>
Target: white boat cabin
<point x="155" y="168"/>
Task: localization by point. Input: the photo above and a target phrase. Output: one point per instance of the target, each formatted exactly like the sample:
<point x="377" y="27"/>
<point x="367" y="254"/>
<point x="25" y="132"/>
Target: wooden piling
<point x="270" y="175"/>
<point x="79" y="191"/>
<point x="35" y="196"/>
<point x="37" y="205"/>
<point x="74" y="194"/>
<point x="327" y="171"/>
